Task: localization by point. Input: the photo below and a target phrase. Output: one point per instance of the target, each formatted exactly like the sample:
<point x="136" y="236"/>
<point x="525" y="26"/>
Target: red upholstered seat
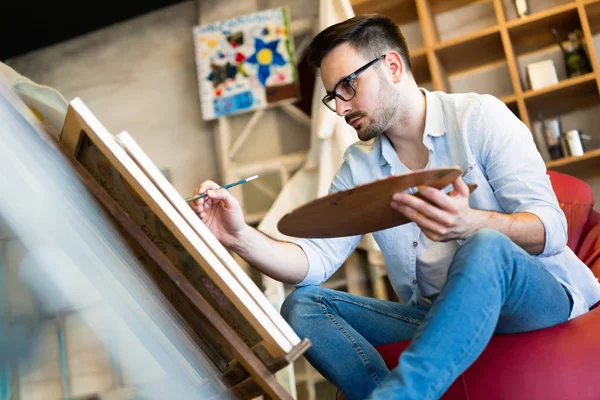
<point x="560" y="362"/>
<point x="577" y="202"/>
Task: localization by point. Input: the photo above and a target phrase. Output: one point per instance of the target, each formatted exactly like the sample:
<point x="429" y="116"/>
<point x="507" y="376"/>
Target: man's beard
<point x="384" y="113"/>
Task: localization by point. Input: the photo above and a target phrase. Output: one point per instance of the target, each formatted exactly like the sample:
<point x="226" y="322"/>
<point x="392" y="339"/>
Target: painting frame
<point x="177" y="201"/>
<point x="260" y="360"/>
<point x="275" y="342"/>
<point x="246" y="63"/>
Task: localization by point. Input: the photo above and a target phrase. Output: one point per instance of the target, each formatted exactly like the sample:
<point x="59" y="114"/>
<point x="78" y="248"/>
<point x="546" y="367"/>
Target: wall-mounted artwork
<point x="245" y="63"/>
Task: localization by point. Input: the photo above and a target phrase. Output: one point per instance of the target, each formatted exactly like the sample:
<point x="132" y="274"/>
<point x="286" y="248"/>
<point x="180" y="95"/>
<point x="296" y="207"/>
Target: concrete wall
<point x="139" y="76"/>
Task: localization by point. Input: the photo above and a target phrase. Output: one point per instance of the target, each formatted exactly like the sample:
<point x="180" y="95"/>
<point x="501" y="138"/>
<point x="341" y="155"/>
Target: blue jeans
<point x="493" y="286"/>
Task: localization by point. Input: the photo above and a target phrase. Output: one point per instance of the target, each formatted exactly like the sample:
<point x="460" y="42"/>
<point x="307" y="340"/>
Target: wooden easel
<point x="255" y="358"/>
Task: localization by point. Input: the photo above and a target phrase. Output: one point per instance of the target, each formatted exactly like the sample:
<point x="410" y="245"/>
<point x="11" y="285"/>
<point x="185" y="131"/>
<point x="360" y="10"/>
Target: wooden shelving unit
<point x="570" y="94"/>
<point x="491" y="58"/>
<point x="471" y="51"/>
<point x="573" y="165"/>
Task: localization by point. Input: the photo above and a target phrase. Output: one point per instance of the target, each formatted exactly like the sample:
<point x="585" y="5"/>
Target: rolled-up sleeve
<point x="517" y="172"/>
<point x="325" y="256"/>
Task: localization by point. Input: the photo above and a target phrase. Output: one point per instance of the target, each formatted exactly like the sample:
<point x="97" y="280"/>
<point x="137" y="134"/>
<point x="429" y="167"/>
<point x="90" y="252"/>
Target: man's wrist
<point x="238" y="241"/>
<point x="477" y="220"/>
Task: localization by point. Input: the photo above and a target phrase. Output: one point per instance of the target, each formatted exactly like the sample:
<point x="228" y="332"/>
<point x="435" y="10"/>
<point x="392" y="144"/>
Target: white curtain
<point x="330" y="137"/>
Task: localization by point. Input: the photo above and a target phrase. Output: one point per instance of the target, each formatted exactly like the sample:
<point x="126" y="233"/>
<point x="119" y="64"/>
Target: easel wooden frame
<point x="144" y="162"/>
<point x="275" y="350"/>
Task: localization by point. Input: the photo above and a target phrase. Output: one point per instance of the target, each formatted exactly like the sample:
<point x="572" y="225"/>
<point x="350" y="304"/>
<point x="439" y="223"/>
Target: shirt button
<point x="415" y="244"/>
<point x="415" y="281"/>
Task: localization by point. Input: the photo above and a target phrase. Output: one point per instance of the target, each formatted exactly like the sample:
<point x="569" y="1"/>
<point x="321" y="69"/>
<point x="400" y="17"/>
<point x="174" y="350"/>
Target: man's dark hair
<point x="370" y="35"/>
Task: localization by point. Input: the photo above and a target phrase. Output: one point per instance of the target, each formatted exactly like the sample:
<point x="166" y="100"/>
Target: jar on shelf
<point x="572" y="143"/>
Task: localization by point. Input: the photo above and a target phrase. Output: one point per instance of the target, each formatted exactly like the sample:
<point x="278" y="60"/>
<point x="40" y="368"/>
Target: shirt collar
<point x="434" y="118"/>
<point x="386" y="151"/>
<point x="434" y="126"/>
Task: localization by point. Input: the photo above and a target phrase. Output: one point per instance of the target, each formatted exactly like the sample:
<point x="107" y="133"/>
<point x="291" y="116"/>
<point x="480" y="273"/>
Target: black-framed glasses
<point x="345" y="89"/>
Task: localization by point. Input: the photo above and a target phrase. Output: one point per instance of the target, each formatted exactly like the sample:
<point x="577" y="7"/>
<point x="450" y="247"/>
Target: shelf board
<point x="470" y="51"/>
<point x="550" y="13"/>
<point x="441" y="6"/>
<point x="533" y="32"/>
<point x="566" y="83"/>
<point x="589" y="160"/>
<point x="418" y="52"/>
<point x="467" y="38"/>
<point x="510" y="99"/>
<point x="567" y="95"/>
<point x="399" y="11"/>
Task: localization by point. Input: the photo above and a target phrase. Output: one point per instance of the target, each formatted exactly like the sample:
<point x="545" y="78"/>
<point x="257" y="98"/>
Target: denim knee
<point x="492" y="249"/>
<point x="485" y="241"/>
<point x="488" y="237"/>
<point x="297" y="304"/>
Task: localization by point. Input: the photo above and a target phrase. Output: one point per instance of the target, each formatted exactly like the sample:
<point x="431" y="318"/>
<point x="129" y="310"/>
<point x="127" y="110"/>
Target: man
<point x="468" y="267"/>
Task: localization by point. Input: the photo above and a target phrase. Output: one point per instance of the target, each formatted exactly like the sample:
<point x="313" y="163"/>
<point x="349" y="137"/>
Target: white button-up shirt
<point x="475" y="132"/>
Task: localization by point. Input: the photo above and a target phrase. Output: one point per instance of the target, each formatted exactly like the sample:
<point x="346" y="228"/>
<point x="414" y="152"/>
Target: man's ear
<point x="394" y="63"/>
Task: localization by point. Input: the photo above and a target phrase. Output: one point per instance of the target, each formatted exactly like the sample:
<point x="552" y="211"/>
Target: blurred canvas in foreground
<point x="245" y="63"/>
<point x="94" y="324"/>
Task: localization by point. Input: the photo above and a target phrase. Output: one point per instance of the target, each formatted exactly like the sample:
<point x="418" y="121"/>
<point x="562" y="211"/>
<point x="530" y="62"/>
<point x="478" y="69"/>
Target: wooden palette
<point x="362" y="209"/>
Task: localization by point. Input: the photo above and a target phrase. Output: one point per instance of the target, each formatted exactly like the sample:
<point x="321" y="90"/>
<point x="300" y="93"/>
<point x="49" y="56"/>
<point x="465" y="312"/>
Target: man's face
<point x="368" y="112"/>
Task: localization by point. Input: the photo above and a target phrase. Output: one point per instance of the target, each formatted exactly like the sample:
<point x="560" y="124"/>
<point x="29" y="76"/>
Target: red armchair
<point x="560" y="362"/>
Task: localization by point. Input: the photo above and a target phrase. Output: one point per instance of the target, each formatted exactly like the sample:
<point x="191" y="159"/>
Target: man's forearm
<point x="282" y="261"/>
<point x="525" y="229"/>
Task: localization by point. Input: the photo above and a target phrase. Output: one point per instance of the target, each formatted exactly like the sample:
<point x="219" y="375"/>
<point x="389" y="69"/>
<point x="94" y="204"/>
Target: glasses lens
<point x="329" y="102"/>
<point x="345" y="90"/>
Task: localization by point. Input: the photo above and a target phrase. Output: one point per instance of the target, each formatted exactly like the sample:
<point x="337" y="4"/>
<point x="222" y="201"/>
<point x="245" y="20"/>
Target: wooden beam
<point x="297" y="114"/>
<point x="248" y="129"/>
<point x="290" y="161"/>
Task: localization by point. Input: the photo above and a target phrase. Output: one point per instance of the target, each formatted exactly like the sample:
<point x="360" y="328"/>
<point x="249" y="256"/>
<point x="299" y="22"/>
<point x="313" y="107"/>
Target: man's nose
<point x="342" y="107"/>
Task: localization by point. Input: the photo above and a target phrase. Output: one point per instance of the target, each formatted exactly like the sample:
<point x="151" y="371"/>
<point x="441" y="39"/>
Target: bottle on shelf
<point x="522" y="7"/>
<point x="576" y="58"/>
<point x="574" y="54"/>
<point x="552" y="131"/>
<point x="573" y="143"/>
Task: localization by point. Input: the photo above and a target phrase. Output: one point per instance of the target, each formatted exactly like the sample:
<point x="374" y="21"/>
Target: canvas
<point x="146" y="165"/>
<point x="245" y="63"/>
<point x="110" y="165"/>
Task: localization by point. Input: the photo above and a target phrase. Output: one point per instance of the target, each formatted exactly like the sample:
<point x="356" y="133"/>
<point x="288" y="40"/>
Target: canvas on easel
<point x="144" y="162"/>
<point x="203" y="270"/>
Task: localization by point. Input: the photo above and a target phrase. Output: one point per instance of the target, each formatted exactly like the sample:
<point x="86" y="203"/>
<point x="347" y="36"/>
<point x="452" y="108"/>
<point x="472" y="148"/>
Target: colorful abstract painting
<point x="245" y="63"/>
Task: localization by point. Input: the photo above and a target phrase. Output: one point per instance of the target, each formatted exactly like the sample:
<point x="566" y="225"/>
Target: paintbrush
<point x="230" y="185"/>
